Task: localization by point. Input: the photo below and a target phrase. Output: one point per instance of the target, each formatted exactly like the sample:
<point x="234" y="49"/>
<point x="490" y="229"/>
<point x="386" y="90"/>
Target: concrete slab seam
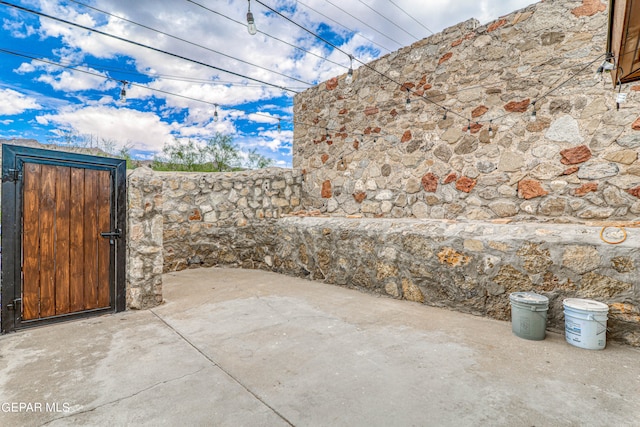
<point x="214" y="363"/>
<point x="73" y="414"/>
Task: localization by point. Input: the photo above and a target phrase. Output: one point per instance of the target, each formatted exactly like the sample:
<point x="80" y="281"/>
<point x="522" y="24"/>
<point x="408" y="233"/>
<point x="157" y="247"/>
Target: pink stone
<point x="326" y="190"/>
<point x="369" y="111"/>
<point x="450" y="178"/>
<point x="586" y="188"/>
<point x="496" y="25"/>
<point x="634" y="191"/>
<point x="465" y="184"/>
<point x="359" y="196"/>
<point x="574" y="155"/>
<point x="589" y="8"/>
<point x="479" y="111"/>
<point x="518" y="107"/>
<point x="530" y="188"/>
<point x="445" y="57"/>
<point x="430" y="183"/>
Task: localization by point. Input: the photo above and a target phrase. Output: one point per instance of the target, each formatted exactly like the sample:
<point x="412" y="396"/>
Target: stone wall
<point x="363" y="153"/>
<point x="199" y="204"/>
<point x="470" y="266"/>
<point x="466" y="266"/>
<point x="144" y="239"/>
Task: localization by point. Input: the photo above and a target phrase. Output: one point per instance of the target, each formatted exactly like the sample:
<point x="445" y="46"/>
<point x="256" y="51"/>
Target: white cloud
<point x="143" y="130"/>
<point x="18" y="29"/>
<point x="263" y="117"/>
<point x="75" y="81"/>
<point x="13" y="103"/>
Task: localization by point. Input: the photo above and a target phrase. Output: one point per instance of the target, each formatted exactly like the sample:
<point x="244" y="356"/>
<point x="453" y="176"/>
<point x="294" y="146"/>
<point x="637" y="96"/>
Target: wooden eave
<point x="623" y="40"/>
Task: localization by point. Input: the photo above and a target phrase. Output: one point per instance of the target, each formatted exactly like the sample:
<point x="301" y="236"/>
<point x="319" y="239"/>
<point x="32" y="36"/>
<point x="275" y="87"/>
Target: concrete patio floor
<point x="250" y="348"/>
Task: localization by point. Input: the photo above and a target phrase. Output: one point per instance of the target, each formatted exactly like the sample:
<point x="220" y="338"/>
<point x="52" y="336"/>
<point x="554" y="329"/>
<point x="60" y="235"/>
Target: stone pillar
<point x="144" y="239"/>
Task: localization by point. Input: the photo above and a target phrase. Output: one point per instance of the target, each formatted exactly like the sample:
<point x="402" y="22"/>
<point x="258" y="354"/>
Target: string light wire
<point x="355" y="33"/>
<point x="113" y="36"/>
<point x="266" y="34"/>
<point x="189" y="42"/>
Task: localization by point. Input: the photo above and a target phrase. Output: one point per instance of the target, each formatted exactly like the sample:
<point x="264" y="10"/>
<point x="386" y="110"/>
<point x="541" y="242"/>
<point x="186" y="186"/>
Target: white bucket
<point x="529" y="315"/>
<point x="585" y="323"/>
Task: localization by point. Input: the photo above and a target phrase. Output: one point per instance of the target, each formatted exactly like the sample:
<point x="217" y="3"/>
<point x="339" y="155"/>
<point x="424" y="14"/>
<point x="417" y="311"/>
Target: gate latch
<point x="12" y="175"/>
<point x="111" y="235"/>
<point x="15" y="305"/>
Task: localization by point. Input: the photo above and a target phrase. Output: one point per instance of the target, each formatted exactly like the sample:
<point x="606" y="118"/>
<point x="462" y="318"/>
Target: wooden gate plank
<point x="31" y="243"/>
<point x="63" y="194"/>
<point x="47" y="241"/>
<point x="104" y="247"/>
<point x="91" y="236"/>
<point x="76" y="242"/>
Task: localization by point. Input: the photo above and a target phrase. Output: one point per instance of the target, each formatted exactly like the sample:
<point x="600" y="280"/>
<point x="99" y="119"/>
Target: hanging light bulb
<point x="279" y="126"/>
<point x="490" y="127"/>
<point x="469" y="128"/>
<point x="408" y="104"/>
<point x="349" y="78"/>
<point x="620" y="97"/>
<point x="533" y="113"/>
<point x="123" y="92"/>
<point x="251" y="23"/>
<point x="444" y="117"/>
<point x="327" y="136"/>
<point x="215" y="113"/>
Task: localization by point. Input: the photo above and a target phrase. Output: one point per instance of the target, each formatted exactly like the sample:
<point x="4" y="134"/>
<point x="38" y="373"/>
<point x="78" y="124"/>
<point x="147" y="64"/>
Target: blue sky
<point x="42" y="100"/>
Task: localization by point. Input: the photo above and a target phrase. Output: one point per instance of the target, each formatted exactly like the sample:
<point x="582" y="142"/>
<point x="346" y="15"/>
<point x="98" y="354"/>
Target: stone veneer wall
<point x="466" y="266"/>
<point x="198" y="206"/>
<point x="577" y="162"/>
<point x="144" y="239"/>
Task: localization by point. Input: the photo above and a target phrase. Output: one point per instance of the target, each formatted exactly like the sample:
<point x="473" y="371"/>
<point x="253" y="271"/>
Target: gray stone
<point x="452" y="135"/>
<point x="597" y="170"/>
<point x="485" y="166"/>
<point x="384" y="195"/>
<point x="553" y="206"/>
<point x="507" y="191"/>
<point x="614" y="197"/>
<point x="597" y="107"/>
<point x="470" y="172"/>
<point x="504" y="209"/>
<point x="420" y="210"/>
<point x="629" y="141"/>
<point x="476" y="214"/>
<point x="581" y="259"/>
<point x="547" y="171"/>
<point x="564" y="129"/>
<point x="488" y="193"/>
<point x="511" y="162"/>
<point x="443" y="152"/>
<point x="595" y="213"/>
<point x="466" y="146"/>
<point x="413" y="185"/>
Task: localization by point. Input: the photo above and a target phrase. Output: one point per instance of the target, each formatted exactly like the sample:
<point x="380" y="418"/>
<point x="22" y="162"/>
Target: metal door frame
<point x="13" y="159"/>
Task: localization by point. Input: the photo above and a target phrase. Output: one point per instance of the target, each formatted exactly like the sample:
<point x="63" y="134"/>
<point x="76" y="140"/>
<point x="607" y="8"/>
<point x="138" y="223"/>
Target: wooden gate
<point x="63" y="222"/>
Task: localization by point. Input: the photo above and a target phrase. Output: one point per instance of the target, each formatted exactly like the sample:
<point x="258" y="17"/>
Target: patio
<point x="245" y="347"/>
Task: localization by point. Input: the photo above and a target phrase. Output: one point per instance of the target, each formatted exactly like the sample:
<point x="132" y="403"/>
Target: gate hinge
<point x="15" y="304"/>
<point x="12" y="175"/>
